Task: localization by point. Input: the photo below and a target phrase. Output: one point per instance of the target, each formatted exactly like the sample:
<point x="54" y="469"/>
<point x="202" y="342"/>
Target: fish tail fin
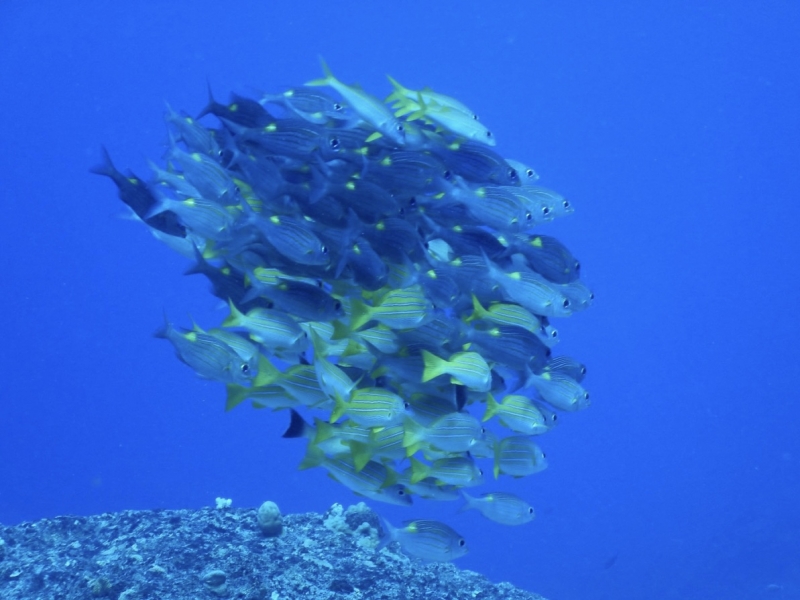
<point x="328" y="79"/>
<point x="491" y="407"/>
<point x="434" y="366"/>
<point x="200" y="265"/>
<point x="267" y="372"/>
<point x="399" y="93"/>
<point x="413" y="433"/>
<point x="339" y="408"/>
<point x="161" y="205"/>
<point x="469" y="501"/>
<point x="361" y="455"/>
<point x="389" y="534"/>
<point x="313" y="458"/>
<point x="107" y="167"/>
<point x="360" y="314"/>
<point x="391" y="478"/>
<point x="164" y="331"/>
<point x="212" y="103"/>
<point x="419" y="470"/>
<point x="236" y="318"/>
<point x="478" y="311"/>
<point x="236" y="394"/>
<point x="297" y="426"/>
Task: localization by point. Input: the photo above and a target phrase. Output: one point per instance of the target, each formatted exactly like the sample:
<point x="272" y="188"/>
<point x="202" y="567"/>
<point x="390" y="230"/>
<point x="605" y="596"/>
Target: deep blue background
<point x="672" y="127"/>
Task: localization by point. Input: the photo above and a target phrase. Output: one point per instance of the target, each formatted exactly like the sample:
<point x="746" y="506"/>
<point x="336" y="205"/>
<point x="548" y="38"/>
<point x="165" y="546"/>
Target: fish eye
<point x="401" y="492"/>
<point x="554" y="334"/>
<point x="488" y="134"/>
<point x="245" y="368"/>
<point x="337" y="106"/>
<point x="400" y="128"/>
<point x="412" y="203"/>
<point x="323" y="249"/>
<point x="528" y="216"/>
<point x="480" y="472"/>
<point x="591" y="295"/>
<point x="529" y="173"/>
<point x="566" y="303"/>
<point x="545" y="210"/>
<point x="448" y="175"/>
<point x="586" y="396"/>
<point x="544" y="455"/>
<point x="335" y="144"/>
<point x="566" y="203"/>
<point x="462" y="542"/>
<point x="406" y="405"/>
<point x="530" y="510"/>
<point x="512" y="174"/>
<point x="474" y="117"/>
<point x="548" y="353"/>
<point x="337" y="306"/>
<point x="577" y="266"/>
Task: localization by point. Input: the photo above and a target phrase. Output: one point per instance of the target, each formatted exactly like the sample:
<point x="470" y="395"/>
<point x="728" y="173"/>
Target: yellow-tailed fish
<point x="368" y="107"/>
<point x="506" y="509"/>
<point x="465" y="368"/>
<point x="560" y="390"/>
<point x="518" y="456"/>
<point x="370" y="407"/>
<point x="455" y="432"/>
<point x="430" y="541"/>
<point x="517" y="413"/>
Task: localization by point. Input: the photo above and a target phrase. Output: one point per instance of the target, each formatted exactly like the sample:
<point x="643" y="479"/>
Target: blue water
<point x="673" y="128"/>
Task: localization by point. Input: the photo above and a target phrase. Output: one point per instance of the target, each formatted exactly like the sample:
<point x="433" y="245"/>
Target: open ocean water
<point x="673" y="128"/>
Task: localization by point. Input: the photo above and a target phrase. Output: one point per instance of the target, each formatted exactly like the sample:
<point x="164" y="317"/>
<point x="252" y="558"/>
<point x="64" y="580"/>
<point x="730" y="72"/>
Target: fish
<point x="313" y="105"/>
<point x="270" y="396"/>
<point x="294" y="239"/>
<point x="210" y="357"/>
<point x="452" y="433"/>
<point x="370" y="407"/>
<point x="207" y="218"/>
<point x="531" y="291"/>
<point x="465" y="368"/>
<point x="559" y="390"/>
<point x="431" y="541"/>
<point x="406" y="99"/>
<point x="518" y="456"/>
<point x="518" y="413"/>
<point x="548" y="257"/>
<point x="374" y="481"/>
<point x="500" y="507"/>
<point x="368" y="107"/>
<point x="196" y="137"/>
<point x="242" y="111"/>
<point x="271" y="328"/>
<point x="461" y="124"/>
<point x="141" y="200"/>
<point x="405" y="308"/>
<point x="461" y="471"/>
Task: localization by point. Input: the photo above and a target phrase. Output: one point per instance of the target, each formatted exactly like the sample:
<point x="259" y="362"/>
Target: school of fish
<point x="386" y="287"/>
